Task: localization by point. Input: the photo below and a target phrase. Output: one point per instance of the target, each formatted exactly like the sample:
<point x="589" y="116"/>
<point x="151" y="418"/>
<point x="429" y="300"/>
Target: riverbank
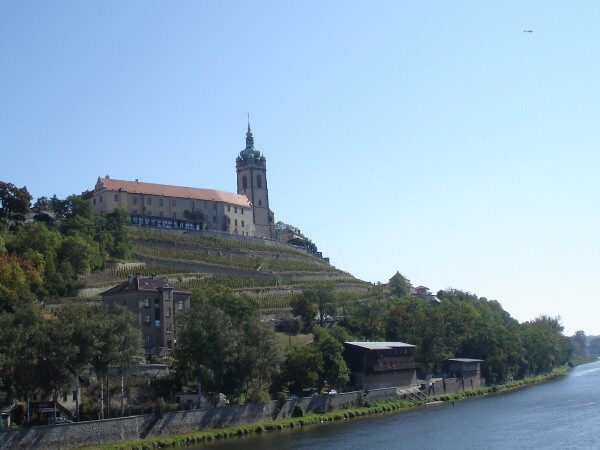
<point x="318" y="418"/>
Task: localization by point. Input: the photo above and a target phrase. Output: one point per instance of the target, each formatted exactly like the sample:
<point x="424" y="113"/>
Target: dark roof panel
<point x="143" y="284"/>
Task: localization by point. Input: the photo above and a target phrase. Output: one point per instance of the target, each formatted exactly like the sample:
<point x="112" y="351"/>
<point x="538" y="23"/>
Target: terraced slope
<point x="271" y="272"/>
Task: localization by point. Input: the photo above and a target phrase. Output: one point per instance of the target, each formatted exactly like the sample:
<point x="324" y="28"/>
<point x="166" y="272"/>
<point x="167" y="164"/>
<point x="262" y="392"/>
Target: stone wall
<point x="136" y="427"/>
<point x="452" y="385"/>
<point x="76" y="434"/>
<point x="203" y="419"/>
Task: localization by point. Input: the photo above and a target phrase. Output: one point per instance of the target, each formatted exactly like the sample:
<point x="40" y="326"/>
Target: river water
<point x="560" y="414"/>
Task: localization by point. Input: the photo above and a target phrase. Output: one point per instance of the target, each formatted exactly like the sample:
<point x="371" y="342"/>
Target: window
<point x="260" y="203"/>
<point x="147" y="319"/>
<point x="242" y="224"/>
<point x="244" y="182"/>
<point x="192" y="204"/>
<point x="173" y="202"/>
<point x="236" y="222"/>
<point x="148" y="200"/>
<point x="168" y="311"/>
<point x="174" y="215"/>
<point x="228" y="208"/>
<point x="146" y="303"/>
<point x="214" y="206"/>
<point x="160" y="202"/>
<point x="116" y="197"/>
<point x="235" y="209"/>
<point x="168" y="327"/>
<point x="64" y="396"/>
<point x="242" y="210"/>
<point x="135" y="200"/>
<point x="148" y="338"/>
<point x="167" y="295"/>
<point x="258" y="181"/>
<point x="181" y="305"/>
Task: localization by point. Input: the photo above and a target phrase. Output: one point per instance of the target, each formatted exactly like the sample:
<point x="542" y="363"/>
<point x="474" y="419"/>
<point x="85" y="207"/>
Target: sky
<point x="433" y="138"/>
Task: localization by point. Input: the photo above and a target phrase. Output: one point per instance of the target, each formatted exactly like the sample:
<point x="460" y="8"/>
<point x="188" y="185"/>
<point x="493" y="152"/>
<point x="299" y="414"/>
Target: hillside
<point x="272" y="272"/>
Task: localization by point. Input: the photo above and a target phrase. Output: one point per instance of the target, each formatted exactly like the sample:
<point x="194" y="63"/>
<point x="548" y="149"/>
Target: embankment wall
<point x="139" y="427"/>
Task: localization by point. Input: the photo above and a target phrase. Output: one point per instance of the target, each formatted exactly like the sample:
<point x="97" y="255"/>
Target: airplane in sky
<point x="527" y="31"/>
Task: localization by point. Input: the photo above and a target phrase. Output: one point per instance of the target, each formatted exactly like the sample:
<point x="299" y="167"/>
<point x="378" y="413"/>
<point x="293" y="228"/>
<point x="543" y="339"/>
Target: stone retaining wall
<point x="136" y="427"/>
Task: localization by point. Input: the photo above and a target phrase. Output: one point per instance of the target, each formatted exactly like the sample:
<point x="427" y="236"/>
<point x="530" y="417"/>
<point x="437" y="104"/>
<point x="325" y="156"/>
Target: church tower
<point x="251" y="168"/>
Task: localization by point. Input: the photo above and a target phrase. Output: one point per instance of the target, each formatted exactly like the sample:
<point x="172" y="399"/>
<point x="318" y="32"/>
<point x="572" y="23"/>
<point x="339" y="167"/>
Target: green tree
<point x="116" y="343"/>
<point x="73" y="324"/>
<point x="322" y="294"/>
<point x="307" y="310"/>
<point x="335" y="371"/>
<point x="594" y="347"/>
<point x="256" y="362"/>
<point x="14" y="200"/>
<point x="366" y="319"/>
<point x="301" y="368"/>
<point x="399" y="285"/>
<point x="205" y="347"/>
<point x="579" y="340"/>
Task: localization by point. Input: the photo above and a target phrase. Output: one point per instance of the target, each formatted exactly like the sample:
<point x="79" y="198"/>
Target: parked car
<point x="332" y="392"/>
<point x="58" y="421"/>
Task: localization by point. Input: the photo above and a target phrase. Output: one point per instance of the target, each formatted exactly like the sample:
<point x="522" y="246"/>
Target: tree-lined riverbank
<point x="315" y="419"/>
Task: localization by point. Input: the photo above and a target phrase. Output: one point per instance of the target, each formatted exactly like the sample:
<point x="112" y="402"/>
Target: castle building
<point x="244" y="213"/>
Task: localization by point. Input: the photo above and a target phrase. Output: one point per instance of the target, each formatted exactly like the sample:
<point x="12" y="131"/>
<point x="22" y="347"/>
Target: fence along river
<point x="562" y="413"/>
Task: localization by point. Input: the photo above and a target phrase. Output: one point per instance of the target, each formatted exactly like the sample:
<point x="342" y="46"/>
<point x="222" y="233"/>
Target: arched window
<point x="258" y="181"/>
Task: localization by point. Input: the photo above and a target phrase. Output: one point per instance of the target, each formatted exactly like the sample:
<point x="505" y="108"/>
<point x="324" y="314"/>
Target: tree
<point x="304" y="308"/>
<point x="366" y="318"/>
<point x="206" y="345"/>
<point x="116" y="224"/>
<point x="239" y="309"/>
<point x="14" y="200"/>
<point x="579" y="340"/>
<point x="321" y="293"/>
<point x="301" y="368"/>
<point x="399" y="285"/>
<point x="335" y="371"/>
<point x="256" y="362"/>
<point x="17" y="277"/>
<point x="116" y="343"/>
<point x="594" y="347"/>
<point x="80" y="253"/>
<point x="19" y="331"/>
<point x="128" y="343"/>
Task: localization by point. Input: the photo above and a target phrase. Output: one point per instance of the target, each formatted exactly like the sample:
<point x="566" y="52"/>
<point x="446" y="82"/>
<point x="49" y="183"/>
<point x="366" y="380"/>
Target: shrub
<point x="298" y="411"/>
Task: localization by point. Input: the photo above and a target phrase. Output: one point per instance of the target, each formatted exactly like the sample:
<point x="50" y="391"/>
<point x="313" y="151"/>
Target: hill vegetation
<point x="225" y="343"/>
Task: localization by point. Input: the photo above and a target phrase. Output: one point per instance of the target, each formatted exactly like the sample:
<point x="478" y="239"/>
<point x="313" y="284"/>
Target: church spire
<point x="249" y="137"/>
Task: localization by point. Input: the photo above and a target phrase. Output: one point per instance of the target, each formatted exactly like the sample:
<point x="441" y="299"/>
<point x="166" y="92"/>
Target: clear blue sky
<point x="433" y="138"/>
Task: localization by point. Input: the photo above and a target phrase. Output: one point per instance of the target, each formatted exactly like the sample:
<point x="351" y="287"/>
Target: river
<point x="561" y="414"/>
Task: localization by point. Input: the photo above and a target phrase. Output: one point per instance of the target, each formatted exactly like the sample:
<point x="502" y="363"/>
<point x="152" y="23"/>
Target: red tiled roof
<point x="137" y="187"/>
